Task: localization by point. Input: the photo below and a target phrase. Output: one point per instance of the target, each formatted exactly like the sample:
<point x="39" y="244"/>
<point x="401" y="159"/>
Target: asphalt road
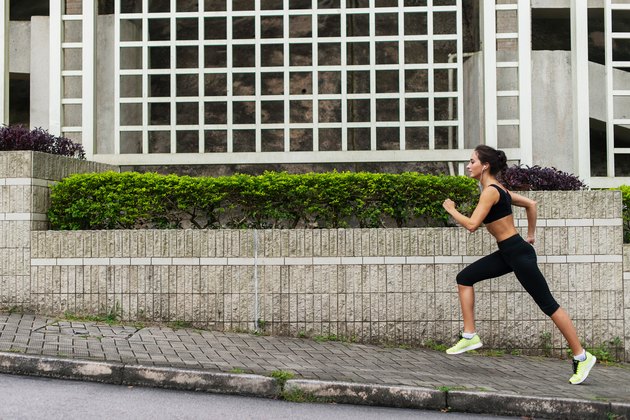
<point x="41" y="398"/>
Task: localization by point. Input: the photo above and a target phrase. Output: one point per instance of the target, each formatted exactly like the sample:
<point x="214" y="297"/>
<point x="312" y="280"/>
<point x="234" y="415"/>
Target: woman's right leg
<point x="487" y="267"/>
<point x="467" y="302"/>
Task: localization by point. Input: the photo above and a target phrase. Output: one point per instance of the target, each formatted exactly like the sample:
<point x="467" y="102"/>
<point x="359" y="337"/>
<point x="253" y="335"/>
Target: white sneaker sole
<point x="588" y="370"/>
<point x="465" y="349"/>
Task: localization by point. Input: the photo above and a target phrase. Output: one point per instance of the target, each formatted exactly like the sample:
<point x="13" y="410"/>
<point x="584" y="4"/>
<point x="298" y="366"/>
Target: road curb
<point x="55" y="367"/>
<point x="309" y="390"/>
<point x="527" y="406"/>
<point x="622" y="410"/>
<point x="367" y="394"/>
<point x="199" y="380"/>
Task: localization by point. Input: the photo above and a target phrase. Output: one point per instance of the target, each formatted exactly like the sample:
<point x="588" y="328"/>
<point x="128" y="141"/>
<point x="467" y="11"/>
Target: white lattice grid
<point x="273" y="111"/>
<point x="618" y="95"/>
<point x="507" y="76"/>
<point x="72" y="71"/>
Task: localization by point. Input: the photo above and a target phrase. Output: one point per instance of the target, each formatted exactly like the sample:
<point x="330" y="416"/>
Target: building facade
<point x="321" y="84"/>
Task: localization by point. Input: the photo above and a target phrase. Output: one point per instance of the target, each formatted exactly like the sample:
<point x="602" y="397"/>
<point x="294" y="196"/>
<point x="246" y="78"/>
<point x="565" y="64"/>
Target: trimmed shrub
<point x="38" y="140"/>
<point x="272" y="200"/>
<point x="536" y="178"/>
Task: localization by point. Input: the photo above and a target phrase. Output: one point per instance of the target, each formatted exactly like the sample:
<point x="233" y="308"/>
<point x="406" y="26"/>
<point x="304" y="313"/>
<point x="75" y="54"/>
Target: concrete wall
<point x="376" y="285"/>
<point x="19" y="62"/>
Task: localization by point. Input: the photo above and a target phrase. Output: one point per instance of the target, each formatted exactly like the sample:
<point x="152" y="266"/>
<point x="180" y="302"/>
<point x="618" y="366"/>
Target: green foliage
<point x="300" y="396"/>
<point x="433" y="345"/>
<point x="609" y="352"/>
<point x="334" y="337"/>
<point x="107" y="316"/>
<point x="272" y="200"/>
<point x="282" y="376"/>
<point x="179" y="325"/>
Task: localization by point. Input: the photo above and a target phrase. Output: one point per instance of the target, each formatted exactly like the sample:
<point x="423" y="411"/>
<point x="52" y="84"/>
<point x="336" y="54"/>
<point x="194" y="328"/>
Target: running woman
<point x="515" y="254"/>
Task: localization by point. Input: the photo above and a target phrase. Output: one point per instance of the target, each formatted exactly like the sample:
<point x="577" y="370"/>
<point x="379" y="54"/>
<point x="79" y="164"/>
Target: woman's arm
<point x="530" y="210"/>
<point x="488" y="198"/>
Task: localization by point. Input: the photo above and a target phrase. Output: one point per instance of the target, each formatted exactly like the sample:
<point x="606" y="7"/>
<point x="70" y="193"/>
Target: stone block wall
<point x="626" y="298"/>
<point x="372" y="285"/>
<point x="25" y="178"/>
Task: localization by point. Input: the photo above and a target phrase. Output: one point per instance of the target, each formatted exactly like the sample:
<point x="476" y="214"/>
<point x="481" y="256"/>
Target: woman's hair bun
<point x="502" y="160"/>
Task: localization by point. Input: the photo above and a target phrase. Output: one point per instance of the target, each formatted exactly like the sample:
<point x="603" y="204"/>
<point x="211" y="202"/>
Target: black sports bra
<point x="501" y="208"/>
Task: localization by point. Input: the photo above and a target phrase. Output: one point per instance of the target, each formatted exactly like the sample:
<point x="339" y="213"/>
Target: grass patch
<point x="282" y="376"/>
<point x="334" y="337"/>
<point x="433" y="345"/>
<point x="110" y="318"/>
<point x="447" y="388"/>
<point x="299" y="396"/>
<point x="609" y="352"/>
<point x="179" y="325"/>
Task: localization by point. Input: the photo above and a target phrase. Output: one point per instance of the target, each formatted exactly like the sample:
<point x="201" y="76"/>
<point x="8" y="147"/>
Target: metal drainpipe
<point x="451" y="167"/>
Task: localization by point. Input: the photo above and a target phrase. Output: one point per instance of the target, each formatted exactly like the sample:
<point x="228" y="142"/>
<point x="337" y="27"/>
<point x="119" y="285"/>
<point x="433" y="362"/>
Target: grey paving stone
<point x="531" y="377"/>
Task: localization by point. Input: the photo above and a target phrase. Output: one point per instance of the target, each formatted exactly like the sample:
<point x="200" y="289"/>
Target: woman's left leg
<point x="528" y="274"/>
<point x="566" y="327"/>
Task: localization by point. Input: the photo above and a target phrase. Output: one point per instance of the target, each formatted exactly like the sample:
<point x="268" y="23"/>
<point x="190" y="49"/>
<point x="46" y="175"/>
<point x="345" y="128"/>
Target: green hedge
<point x="273" y="200"/>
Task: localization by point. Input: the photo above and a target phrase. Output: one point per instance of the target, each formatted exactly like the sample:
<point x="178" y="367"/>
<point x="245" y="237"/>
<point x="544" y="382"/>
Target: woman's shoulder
<point x="499" y="186"/>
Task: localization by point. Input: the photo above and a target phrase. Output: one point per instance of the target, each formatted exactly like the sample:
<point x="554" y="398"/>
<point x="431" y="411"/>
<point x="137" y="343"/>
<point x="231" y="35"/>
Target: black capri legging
<point x="518" y="256"/>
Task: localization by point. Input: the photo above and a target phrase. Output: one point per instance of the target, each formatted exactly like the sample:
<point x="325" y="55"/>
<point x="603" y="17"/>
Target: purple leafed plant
<point x="39" y="140"/>
<point x="536" y="178"/>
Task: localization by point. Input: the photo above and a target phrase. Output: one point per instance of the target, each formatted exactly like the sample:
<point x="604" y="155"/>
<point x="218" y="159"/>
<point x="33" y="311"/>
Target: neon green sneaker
<point x="465" y="344"/>
<point x="582" y="369"/>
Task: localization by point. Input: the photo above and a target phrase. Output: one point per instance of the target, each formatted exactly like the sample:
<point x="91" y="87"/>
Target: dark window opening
<point x="19" y="99"/>
<point x="551" y="29"/>
<point x="597" y="140"/>
<point x="24" y="10"/>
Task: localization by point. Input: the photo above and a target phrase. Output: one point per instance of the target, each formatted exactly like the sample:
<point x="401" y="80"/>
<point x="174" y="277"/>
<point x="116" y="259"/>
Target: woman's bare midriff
<point x="503" y="228"/>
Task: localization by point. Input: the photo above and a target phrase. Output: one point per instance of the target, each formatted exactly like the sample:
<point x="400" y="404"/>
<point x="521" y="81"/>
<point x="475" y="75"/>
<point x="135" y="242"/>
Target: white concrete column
<point x="579" y="72"/>
<point x="4" y="62"/>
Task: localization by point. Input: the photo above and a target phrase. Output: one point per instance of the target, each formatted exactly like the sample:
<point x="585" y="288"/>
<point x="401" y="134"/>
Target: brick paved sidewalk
<point x="325" y="361"/>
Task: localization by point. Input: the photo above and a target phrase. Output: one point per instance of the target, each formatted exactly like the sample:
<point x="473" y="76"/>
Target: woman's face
<point x="475" y="167"/>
